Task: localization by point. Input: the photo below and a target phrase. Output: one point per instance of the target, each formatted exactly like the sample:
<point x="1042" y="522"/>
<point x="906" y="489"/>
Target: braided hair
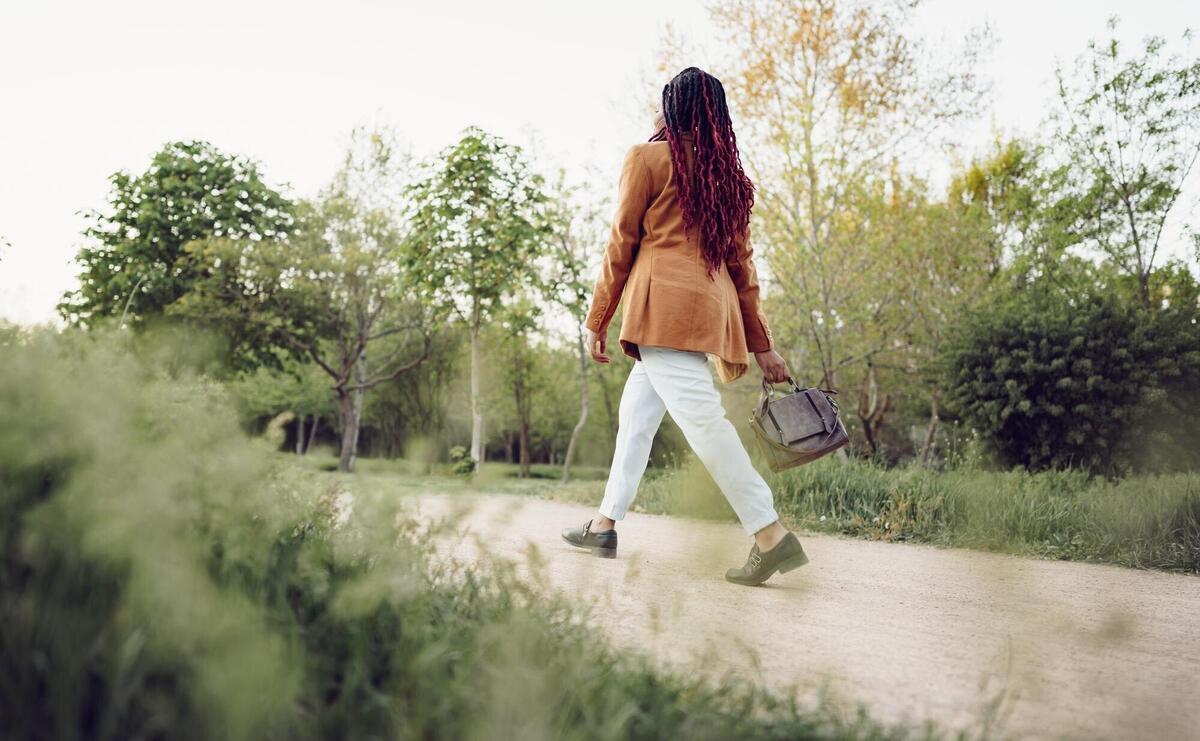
<point x="717" y="196"/>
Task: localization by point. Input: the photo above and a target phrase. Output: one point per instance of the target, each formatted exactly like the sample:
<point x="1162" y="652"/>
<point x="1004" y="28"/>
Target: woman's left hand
<point x="773" y="366"/>
<point x="597" y="346"/>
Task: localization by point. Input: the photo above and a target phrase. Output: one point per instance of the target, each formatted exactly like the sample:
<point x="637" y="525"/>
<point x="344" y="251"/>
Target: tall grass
<point x="165" y="577"/>
<point x="1139" y="521"/>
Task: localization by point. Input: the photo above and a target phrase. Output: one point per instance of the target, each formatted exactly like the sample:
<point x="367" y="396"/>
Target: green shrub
<point x="461" y="463"/>
<point x="121" y="493"/>
<point x="1054" y="379"/>
<point x="165" y="577"/>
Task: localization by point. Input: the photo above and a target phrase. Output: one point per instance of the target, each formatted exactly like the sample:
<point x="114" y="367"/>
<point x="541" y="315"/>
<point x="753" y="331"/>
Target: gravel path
<point x="970" y="640"/>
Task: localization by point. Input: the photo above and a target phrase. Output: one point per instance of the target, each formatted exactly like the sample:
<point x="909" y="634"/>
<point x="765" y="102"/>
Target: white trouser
<point x="680" y="382"/>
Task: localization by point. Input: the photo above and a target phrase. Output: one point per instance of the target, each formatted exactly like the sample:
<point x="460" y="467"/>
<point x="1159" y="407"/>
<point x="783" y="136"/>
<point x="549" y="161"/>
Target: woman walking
<point x="679" y="258"/>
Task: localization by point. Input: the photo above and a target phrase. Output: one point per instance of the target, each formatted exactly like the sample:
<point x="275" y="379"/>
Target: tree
<point x="1131" y="130"/>
<point x="334" y="292"/>
<point x="830" y="100"/>
<point x="191" y="191"/>
<point x="950" y="261"/>
<point x="411" y="416"/>
<point x="477" y="224"/>
<point x="575" y="229"/>
<point x="519" y="320"/>
<point x="1012" y="192"/>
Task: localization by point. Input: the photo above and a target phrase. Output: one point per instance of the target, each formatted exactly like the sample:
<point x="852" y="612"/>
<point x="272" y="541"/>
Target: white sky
<point x="89" y="88"/>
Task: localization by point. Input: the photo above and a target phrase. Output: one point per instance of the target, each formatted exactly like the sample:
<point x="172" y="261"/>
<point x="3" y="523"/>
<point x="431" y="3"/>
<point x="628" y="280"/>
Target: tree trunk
<point x="360" y="374"/>
<point x="871" y="409"/>
<point x="522" y="407"/>
<point x="934" y="399"/>
<point x="583" y="411"/>
<point x="349" y="423"/>
<point x="312" y="433"/>
<point x="476" y="408"/>
<point x="300" y="434"/>
<point x="524" y="446"/>
<point x="608" y="405"/>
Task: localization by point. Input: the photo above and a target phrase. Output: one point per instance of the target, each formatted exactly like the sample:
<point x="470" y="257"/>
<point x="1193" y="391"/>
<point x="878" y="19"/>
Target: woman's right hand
<point x="773" y="366"/>
<point x="596" y="346"/>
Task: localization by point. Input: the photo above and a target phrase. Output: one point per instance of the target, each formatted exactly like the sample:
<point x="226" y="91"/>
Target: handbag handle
<point x="769" y="388"/>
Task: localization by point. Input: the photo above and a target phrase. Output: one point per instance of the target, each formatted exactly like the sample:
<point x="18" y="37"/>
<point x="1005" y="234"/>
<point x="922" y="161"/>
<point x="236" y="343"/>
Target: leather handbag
<point x="797" y="427"/>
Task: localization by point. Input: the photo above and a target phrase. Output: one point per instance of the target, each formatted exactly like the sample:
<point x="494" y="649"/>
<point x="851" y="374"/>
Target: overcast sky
<point x="89" y="88"/>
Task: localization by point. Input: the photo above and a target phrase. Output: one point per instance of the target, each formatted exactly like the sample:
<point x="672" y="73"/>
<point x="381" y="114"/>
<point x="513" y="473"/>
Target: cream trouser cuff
<point x="680" y="382"/>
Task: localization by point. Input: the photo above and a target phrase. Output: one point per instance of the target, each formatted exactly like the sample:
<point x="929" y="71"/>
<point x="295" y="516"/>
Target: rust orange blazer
<point x="654" y="269"/>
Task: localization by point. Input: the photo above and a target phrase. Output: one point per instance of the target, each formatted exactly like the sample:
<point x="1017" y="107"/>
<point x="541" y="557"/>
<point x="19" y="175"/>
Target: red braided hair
<point x="717" y="196"/>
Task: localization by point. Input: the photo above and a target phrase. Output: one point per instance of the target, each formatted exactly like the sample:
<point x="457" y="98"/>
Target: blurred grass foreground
<point x="164" y="576"/>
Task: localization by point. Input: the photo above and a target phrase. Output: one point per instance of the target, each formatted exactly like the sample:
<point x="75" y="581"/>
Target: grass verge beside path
<point x="1140" y="521"/>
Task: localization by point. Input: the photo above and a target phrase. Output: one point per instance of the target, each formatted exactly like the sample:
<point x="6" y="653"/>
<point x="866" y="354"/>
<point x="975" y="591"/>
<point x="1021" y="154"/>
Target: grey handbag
<point x="797" y="427"/>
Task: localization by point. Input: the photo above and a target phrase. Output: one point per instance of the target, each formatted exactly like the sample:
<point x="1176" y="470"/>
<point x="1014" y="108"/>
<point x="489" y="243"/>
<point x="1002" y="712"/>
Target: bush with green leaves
<point x="1056" y="379"/>
<point x="461" y="462"/>
<point x="163" y="576"/>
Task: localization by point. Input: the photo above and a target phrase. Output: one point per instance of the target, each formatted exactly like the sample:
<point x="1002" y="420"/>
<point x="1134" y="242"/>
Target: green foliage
<point x="461" y="463"/>
<point x="119" y="504"/>
<point x="161" y="578"/>
<point x="521" y="369"/>
<point x="300" y="387"/>
<point x="138" y="265"/>
<point x="1130" y="128"/>
<point x="417" y="414"/>
<point x="477" y="224"/>
<point x="1055" y="377"/>
<point x="832" y="98"/>
<point x="325" y="291"/>
<point x="332" y="293"/>
<point x="576" y="222"/>
<point x="1015" y="192"/>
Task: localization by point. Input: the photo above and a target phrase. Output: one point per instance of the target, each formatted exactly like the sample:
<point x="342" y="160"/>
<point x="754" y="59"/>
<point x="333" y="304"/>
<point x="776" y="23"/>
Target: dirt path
<point x="1051" y="649"/>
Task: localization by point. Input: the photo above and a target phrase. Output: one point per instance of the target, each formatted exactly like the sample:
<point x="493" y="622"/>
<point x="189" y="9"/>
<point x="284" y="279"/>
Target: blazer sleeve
<point x="745" y="278"/>
<point x="624" y="239"/>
